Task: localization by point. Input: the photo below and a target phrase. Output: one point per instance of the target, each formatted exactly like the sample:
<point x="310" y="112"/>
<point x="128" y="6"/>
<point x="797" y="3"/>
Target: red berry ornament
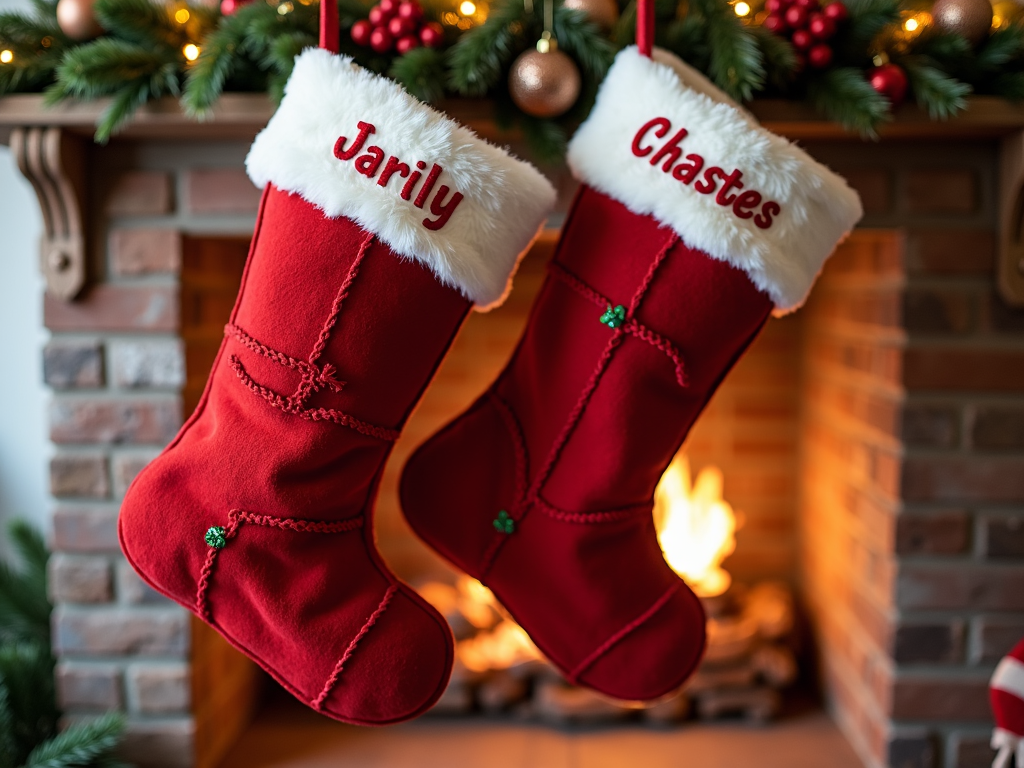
<point x="809" y="5"/>
<point x="821" y="26"/>
<point x="431" y="34"/>
<point x="774" y="6"/>
<point x="774" y="23"/>
<point x="820" y="56"/>
<point x="835" y="12"/>
<point x="377" y="16"/>
<point x="381" y="40"/>
<point x="399" y="27"/>
<point x="389" y="7"/>
<point x="406" y="44"/>
<point x="360" y="32"/>
<point x="802" y="40"/>
<point x="796" y="17"/>
<point x="410" y="10"/>
<point x="890" y="81"/>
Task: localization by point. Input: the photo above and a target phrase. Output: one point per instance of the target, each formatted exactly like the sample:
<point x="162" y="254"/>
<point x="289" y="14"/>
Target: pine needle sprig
<point x="421" y="73"/>
<point x="26" y="672"/>
<point x="1002" y="47"/>
<point x="221" y="53"/>
<point x="37" y="44"/>
<point x="481" y="56"/>
<point x="139" y="21"/>
<point x="24" y="605"/>
<point x="547" y="139"/>
<point x="867" y="20"/>
<point x="736" y="64"/>
<point x="581" y="39"/>
<point x="779" y="57"/>
<point x="941" y="95"/>
<point x="79" y="745"/>
<point x="843" y="95"/>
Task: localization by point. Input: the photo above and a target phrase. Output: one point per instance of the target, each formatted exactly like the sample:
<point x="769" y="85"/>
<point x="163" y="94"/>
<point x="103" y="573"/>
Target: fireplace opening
<point x="728" y="512"/>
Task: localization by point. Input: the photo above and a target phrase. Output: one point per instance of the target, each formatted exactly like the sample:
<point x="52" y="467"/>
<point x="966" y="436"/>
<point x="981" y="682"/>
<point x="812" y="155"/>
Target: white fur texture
<point x="506" y="200"/>
<point x="818" y="208"/>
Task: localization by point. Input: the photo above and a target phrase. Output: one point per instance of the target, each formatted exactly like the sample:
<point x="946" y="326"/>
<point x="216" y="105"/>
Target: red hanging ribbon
<point x="645" y="26"/>
<point x="329" y="32"/>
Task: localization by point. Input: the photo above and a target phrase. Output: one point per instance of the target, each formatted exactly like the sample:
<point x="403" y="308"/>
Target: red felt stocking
<point x="381" y="223"/>
<point x="692" y="225"/>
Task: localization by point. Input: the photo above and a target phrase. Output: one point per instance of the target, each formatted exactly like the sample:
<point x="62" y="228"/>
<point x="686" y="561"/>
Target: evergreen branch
<point x="26" y="672"/>
<point x="945" y="47"/>
<point x="736" y="64"/>
<point x="79" y="745"/>
<point x="688" y="38"/>
<point x="104" y="66"/>
<point x="941" y="95"/>
<point x="580" y="38"/>
<point x="133" y="95"/>
<point x="867" y="19"/>
<point x="1009" y="85"/>
<point x="421" y="73"/>
<point x="1002" y="46"/>
<point x="625" y="28"/>
<point x="24" y="605"/>
<point x="479" y="59"/>
<point x="8" y="757"/>
<point x="280" y="56"/>
<point x="843" y="95"/>
<point x="547" y="139"/>
<point x="31" y="548"/>
<point x="218" y="59"/>
<point x="779" y="56"/>
<point x="140" y="21"/>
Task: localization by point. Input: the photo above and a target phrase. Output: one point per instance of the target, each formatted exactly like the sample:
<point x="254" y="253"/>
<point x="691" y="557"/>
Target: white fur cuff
<point x="664" y="141"/>
<point x="357" y="145"/>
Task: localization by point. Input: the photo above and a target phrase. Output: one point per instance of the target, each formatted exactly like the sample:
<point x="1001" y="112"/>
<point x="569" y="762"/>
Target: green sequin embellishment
<point x="504" y="523"/>
<point x="613" y="317"/>
<point x="215" y="537"/>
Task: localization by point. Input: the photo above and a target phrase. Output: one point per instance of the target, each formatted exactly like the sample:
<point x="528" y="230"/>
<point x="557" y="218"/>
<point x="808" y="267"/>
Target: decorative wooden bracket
<point x="54" y="162"/>
<point x="1010" y="269"/>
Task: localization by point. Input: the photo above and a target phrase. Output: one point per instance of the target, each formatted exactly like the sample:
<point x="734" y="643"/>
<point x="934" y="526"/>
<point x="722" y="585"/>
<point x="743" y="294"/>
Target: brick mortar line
<point x="852" y="427"/>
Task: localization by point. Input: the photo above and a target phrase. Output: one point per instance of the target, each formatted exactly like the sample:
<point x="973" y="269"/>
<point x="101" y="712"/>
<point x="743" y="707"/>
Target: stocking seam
<point x="332" y="681"/>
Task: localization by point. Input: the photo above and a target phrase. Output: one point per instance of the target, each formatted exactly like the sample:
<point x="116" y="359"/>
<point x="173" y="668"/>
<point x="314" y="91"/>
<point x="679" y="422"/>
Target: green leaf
<point x="843" y="95"/>
<point x="421" y="73"/>
<point x="79" y="745"/>
<point x="941" y="95"/>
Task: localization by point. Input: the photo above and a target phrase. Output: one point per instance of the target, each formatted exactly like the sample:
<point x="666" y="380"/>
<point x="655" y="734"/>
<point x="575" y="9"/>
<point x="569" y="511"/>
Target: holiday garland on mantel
<point x="539" y="61"/>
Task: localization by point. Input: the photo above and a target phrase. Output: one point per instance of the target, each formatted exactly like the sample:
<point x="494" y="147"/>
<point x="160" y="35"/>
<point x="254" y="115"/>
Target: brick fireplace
<point x="874" y="441"/>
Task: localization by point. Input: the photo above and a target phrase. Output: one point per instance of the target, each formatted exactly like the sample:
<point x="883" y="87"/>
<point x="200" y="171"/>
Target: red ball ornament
<point x="810" y="5"/>
<point x="774" y="6"/>
<point x="835" y="12"/>
<point x="381" y="40"/>
<point x="431" y="34"/>
<point x="796" y="17"/>
<point x="228" y="7"/>
<point x="890" y="81"/>
<point x="821" y="26"/>
<point x="389" y="7"/>
<point x="820" y="56"/>
<point x="802" y="40"/>
<point x="377" y="16"/>
<point x="406" y="44"/>
<point x="360" y="31"/>
<point x="399" y="27"/>
<point x="410" y="10"/>
<point x="774" y="23"/>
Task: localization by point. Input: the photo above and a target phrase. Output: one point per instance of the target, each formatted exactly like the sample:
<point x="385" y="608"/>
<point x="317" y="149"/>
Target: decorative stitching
<point x="608" y="644"/>
<point x="288" y="405"/>
<point x="609" y="516"/>
<point x="346" y="285"/>
<point x="235" y="519"/>
<point x="318" y="702"/>
<point x="584" y="398"/>
<point x="613" y="320"/>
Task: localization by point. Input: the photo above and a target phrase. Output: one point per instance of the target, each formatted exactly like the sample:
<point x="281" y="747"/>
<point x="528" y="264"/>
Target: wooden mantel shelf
<point x="240" y="116"/>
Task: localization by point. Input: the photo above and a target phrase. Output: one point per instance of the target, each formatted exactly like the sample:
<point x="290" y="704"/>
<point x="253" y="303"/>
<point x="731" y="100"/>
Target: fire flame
<point x="696" y="526"/>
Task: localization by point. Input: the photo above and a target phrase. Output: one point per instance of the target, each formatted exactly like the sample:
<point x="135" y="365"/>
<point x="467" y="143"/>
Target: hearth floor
<point x="289" y="738"/>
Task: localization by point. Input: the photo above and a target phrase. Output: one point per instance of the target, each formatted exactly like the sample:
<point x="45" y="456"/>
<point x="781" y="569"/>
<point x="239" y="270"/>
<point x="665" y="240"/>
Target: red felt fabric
<point x="299" y="586"/>
<point x="571" y="441"/>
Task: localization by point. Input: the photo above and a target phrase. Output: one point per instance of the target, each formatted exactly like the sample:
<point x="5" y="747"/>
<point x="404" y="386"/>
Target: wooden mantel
<point x="50" y="144"/>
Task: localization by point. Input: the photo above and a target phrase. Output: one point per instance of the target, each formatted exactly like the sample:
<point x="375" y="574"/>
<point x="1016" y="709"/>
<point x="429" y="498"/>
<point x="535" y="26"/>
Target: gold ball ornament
<point x="604" y="13"/>
<point x="970" y="18"/>
<point x="544" y="82"/>
<point x="77" y="20"/>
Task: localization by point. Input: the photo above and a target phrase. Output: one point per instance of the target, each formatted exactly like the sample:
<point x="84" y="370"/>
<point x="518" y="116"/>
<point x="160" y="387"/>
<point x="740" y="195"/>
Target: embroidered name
<point x="369" y="164"/>
<point x="744" y="204"/>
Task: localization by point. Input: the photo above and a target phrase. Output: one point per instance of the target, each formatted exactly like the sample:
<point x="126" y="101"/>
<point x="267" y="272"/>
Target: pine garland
<point x="140" y="57"/>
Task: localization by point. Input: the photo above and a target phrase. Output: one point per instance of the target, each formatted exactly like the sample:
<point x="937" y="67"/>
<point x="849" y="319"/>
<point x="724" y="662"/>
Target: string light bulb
<point x="6" y="56"/>
<point x="182" y="15"/>
<point x="911" y="24"/>
<point x="741" y="8"/>
<point x="191" y="52"/>
<point x="467" y="8"/>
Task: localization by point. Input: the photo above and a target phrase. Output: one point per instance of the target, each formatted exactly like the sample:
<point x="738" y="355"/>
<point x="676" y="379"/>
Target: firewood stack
<point x="498" y="671"/>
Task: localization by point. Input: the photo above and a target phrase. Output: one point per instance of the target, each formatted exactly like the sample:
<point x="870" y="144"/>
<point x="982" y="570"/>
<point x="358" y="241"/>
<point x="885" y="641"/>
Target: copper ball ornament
<point x="77" y="20"/>
<point x="970" y="18"/>
<point x="604" y="13"/>
<point x="544" y="84"/>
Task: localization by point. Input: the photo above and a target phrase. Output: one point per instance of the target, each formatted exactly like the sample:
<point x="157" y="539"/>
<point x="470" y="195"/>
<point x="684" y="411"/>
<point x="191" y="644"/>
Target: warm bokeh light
<point x="696" y="526"/>
<point x="911" y="25"/>
<point x="182" y="15"/>
<point x="467" y="8"/>
<point x="742" y="9"/>
<point x="191" y="51"/>
<point x="6" y="57"/>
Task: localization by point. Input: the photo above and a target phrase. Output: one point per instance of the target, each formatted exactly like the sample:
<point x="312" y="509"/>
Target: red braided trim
<point x="633" y="327"/>
<point x="353" y="270"/>
<point x="314" y="378"/>
<point x="332" y="681"/>
<point x="608" y="644"/>
<point x="235" y="519"/>
<point x="609" y="516"/>
<point x="289" y="405"/>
